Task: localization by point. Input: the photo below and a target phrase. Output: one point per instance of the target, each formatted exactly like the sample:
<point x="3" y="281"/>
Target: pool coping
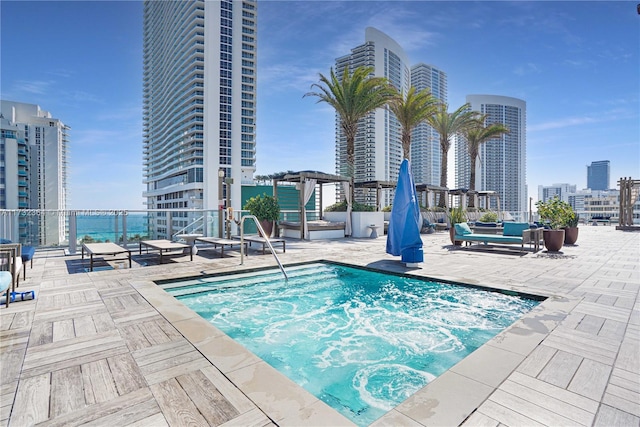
<point x="448" y="400"/>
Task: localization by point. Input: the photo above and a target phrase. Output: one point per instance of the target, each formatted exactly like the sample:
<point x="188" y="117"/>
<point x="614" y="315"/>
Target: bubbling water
<point x="361" y="341"/>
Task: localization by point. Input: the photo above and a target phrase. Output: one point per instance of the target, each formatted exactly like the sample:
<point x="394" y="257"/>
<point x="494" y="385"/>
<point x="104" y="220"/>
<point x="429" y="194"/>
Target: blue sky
<point x="575" y="63"/>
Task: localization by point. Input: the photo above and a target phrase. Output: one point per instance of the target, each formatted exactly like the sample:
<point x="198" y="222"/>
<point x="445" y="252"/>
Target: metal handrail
<point x="192" y="224"/>
<point x="266" y="239"/>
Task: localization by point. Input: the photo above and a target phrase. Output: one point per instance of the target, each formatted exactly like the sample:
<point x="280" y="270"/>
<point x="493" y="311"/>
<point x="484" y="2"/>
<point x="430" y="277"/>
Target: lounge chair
<point x="513" y="233"/>
<point x="26" y="253"/>
<point x="219" y="241"/>
<point x="11" y="261"/>
<point x="164" y="246"/>
<point x="5" y="285"/>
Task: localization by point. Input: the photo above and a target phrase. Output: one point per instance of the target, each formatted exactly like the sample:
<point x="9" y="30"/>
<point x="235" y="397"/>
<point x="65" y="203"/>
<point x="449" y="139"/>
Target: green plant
<point x="355" y="207"/>
<point x="263" y="207"/>
<point x="457" y="215"/>
<point x="387" y="208"/>
<point x="489" y="217"/>
<point x="572" y="220"/>
<point x="556" y="213"/>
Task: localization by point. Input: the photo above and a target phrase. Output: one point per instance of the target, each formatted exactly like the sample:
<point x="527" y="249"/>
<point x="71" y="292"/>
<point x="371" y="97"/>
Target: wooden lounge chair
<point x="254" y="238"/>
<point x="103" y="249"/>
<point x="217" y="241"/>
<point x="164" y="246"/>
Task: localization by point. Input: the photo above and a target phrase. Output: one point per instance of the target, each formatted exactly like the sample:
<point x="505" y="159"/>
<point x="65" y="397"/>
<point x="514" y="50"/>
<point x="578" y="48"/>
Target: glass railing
<point x="68" y="229"/>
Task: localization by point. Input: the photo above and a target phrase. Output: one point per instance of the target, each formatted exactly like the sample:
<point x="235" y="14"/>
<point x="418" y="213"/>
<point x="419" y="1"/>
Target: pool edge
<point x="448" y="400"/>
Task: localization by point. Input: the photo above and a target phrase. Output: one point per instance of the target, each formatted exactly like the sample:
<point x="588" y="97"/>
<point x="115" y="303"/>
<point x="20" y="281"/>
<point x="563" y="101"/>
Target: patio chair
<point x="5" y="285"/>
<point x="26" y="253"/>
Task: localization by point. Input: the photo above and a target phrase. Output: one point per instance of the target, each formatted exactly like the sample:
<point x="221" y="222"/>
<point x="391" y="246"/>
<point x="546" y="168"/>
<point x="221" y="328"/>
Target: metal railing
<point x="266" y="239"/>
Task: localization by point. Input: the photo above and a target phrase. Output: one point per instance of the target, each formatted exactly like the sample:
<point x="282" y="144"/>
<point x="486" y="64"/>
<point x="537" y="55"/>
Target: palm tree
<point x="411" y="110"/>
<point x="478" y="134"/>
<point x="447" y="125"/>
<point x="353" y="96"/>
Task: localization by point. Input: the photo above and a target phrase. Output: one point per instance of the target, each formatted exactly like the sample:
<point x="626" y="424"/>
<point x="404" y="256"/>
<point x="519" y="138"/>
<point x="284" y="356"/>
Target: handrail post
<point x="266" y="239"/>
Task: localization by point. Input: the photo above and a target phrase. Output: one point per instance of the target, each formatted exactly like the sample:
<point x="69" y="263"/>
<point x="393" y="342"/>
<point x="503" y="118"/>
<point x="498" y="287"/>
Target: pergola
<point x="629" y="191"/>
<point x="427" y="191"/>
<point x="303" y="181"/>
<point x="378" y="185"/>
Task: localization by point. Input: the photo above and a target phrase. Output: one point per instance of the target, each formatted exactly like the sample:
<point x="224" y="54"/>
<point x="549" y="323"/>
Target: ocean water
<point x="103" y="227"/>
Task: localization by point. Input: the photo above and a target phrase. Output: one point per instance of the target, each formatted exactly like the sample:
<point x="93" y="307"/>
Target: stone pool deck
<point x="110" y="347"/>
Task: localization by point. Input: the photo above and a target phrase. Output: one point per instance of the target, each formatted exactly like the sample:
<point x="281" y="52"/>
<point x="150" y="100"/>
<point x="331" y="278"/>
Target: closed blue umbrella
<point x="403" y="235"/>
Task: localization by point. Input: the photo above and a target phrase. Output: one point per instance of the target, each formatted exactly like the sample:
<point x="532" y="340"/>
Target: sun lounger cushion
<point x="485" y="224"/>
<point x="514" y="228"/>
<point x="462" y="229"/>
<point x="5" y="280"/>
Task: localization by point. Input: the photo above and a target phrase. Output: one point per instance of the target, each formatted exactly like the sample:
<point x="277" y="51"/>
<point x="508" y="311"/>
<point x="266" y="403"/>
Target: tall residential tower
<point x="378" y="145"/>
<point x="501" y="166"/>
<point x="199" y="103"/>
<point x="426" y="156"/>
<point x="33" y="171"/>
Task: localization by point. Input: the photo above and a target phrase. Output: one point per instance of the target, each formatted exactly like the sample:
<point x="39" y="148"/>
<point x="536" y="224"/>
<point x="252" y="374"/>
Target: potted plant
<point x="489" y="217"/>
<point x="555" y="214"/>
<point x="571" y="227"/>
<point x="266" y="209"/>
<point x="456" y="216"/>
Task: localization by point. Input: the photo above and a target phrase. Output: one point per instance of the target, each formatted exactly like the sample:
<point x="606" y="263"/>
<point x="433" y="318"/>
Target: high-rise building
<point x="33" y="172"/>
<point x="378" y="145"/>
<point x="426" y="156"/>
<point x="546" y="193"/>
<point x="199" y="104"/>
<point x="598" y="175"/>
<point x="501" y="166"/>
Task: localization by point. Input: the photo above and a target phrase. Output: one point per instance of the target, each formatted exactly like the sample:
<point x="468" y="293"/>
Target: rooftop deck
<point x="109" y="347"/>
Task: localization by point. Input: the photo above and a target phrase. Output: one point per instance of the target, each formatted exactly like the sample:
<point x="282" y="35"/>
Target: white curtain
<point x="346" y="186"/>
<point x="309" y="188"/>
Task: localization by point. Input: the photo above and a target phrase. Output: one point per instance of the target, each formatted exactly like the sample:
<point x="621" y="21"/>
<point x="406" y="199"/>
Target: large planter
<point x="267" y="226"/>
<point x="360" y="221"/>
<point x="452" y="233"/>
<point x="570" y="235"/>
<point x="553" y="239"/>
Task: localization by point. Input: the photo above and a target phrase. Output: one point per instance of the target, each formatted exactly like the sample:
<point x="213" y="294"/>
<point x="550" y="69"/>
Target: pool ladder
<point x="262" y="233"/>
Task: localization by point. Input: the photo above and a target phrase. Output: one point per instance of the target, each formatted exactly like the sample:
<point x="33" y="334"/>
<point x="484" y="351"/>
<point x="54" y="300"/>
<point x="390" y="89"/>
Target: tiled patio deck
<point x="111" y="348"/>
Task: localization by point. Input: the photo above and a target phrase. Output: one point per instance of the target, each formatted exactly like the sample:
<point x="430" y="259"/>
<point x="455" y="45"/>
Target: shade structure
<point x="403" y="236"/>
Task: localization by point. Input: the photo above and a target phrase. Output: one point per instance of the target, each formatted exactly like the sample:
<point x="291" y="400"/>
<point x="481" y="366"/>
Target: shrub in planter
<point x="571" y="228"/>
<point x="456" y="216"/>
<point x="489" y="217"/>
<point x="556" y="214"/>
<point x="355" y="207"/>
<point x="266" y="208"/>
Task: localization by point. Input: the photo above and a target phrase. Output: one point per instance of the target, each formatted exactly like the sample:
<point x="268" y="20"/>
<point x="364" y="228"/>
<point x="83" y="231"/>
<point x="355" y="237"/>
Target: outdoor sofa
<point x="512" y="233"/>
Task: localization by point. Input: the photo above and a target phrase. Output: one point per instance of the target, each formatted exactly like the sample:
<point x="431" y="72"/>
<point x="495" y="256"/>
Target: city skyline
<point x="573" y="63"/>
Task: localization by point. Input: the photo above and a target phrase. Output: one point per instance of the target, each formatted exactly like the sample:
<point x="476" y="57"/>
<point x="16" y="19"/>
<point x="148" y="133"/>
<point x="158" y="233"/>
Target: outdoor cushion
<point x="462" y="229"/>
<point x="485" y="224"/>
<point x="489" y="238"/>
<point x="5" y="280"/>
<point x="514" y="228"/>
<point x="27" y="253"/>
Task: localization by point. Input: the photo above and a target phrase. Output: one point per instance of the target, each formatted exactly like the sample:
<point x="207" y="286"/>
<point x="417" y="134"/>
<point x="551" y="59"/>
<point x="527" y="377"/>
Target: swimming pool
<point x="362" y="341"/>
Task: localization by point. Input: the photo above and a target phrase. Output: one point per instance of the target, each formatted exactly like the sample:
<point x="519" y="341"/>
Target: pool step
<point x="265" y="278"/>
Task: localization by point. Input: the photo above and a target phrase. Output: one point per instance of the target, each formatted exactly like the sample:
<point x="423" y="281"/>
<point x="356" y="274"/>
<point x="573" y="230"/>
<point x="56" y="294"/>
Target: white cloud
<point x="39" y="87"/>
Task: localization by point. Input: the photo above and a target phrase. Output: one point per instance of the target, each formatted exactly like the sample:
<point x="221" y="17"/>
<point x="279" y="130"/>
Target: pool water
<point x="362" y="341"/>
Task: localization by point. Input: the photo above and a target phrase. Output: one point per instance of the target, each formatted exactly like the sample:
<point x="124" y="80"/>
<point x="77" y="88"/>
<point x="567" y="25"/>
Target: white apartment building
<point x="545" y="193"/>
<point x="33" y="171"/>
<point x="199" y="104"/>
<point x="378" y="145"/>
<point x="426" y="156"/>
<point x="501" y="166"/>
